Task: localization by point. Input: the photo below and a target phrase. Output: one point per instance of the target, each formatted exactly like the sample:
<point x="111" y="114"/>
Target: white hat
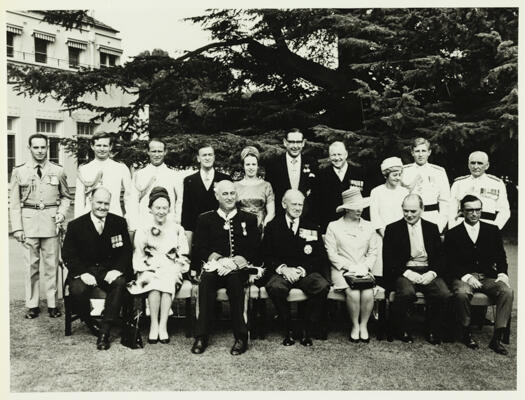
<point x="352" y="200"/>
<point x="391" y="162"/>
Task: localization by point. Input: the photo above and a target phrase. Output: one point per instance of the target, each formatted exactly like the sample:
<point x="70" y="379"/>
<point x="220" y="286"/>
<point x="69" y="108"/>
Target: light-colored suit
<point x="34" y="203"/>
<point x="351" y="248"/>
<point x="150" y="176"/>
<point x="114" y="176"/>
<point x="430" y="181"/>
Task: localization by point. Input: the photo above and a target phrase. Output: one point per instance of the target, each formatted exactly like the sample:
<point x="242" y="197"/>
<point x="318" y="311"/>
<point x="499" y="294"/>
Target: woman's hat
<point x="391" y="162"/>
<point x="249" y="151"/>
<point x="352" y="200"/>
<point x="158" y="192"/>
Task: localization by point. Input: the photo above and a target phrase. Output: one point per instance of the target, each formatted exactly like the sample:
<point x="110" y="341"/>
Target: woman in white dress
<point x="352" y="246"/>
<point x="386" y="199"/>
<point x="160" y="259"/>
<point x="385" y="203"/>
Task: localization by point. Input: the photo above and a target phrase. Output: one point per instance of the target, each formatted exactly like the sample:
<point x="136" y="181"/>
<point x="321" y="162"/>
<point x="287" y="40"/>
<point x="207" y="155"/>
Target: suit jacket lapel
<point x="466" y="236"/>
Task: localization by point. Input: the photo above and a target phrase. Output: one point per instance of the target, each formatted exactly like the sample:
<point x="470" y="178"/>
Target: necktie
<point x="291" y="227"/>
<point x="100" y="226"/>
<point x="417" y="243"/>
<point x="39" y="171"/>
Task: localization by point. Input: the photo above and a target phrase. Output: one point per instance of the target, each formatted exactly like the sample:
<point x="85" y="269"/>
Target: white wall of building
<point x="23" y="112"/>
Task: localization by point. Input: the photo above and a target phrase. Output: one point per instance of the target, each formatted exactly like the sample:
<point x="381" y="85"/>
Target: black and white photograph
<point x="248" y="197"/>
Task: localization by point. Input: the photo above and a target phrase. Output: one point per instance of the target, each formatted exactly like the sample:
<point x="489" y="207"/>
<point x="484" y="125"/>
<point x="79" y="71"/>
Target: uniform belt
<point x="432" y="207"/>
<point x="39" y="206"/>
<point x="488" y="215"/>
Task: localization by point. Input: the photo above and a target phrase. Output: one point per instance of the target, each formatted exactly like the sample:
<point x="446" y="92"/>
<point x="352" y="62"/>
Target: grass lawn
<point x="43" y="359"/>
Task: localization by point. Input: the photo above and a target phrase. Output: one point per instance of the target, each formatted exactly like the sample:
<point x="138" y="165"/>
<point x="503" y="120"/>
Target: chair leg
<point x="262" y="318"/>
<point x="381" y="311"/>
<point x="252" y="318"/>
<point x="389" y="322"/>
<point x="67" y="315"/>
<point x="188" y="325"/>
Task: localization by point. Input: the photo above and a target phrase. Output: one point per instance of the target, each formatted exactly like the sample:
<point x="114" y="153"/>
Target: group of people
<point x="300" y="227"/>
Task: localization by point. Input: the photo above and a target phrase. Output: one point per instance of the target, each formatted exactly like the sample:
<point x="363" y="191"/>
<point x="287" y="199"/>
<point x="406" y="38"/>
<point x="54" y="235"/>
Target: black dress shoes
<point x="406" y="337"/>
<point x="92" y="326"/>
<point x="32" y="313"/>
<point x="367" y="340"/>
<point x="164" y="341"/>
<point x="306" y="340"/>
<point x="103" y="341"/>
<point x="239" y="347"/>
<point x="152" y="341"/>
<point x="469" y="341"/>
<point x="432" y="338"/>
<point x="496" y="345"/>
<point x="54" y="312"/>
<point x="352" y="340"/>
<point x="199" y="345"/>
<point x="288" y="339"/>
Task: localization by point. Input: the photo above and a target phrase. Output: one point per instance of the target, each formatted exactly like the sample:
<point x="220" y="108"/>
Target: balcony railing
<point x="43" y="59"/>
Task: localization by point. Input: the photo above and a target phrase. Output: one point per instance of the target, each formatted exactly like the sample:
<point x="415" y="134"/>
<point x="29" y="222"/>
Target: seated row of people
<point x="227" y="245"/>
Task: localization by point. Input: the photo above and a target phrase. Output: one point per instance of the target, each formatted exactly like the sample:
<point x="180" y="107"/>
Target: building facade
<point x="32" y="42"/>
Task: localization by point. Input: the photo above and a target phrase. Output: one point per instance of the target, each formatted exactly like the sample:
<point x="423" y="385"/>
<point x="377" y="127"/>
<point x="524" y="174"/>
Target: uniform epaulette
<point x="436" y="166"/>
<point x="494" y="177"/>
<point x="57" y="164"/>
<point x="408" y="165"/>
<point x="19" y="165"/>
<point x="459" y="178"/>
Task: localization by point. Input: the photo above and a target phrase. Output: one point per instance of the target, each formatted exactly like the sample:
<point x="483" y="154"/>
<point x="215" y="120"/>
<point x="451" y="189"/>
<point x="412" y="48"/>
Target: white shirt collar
<point x="210" y="174"/>
<point x="479" y="177"/>
<point x="225" y="217"/>
<point x="157" y="166"/>
<point x="290" y="158"/>
<point x="472" y="231"/>
<point x="96" y="220"/>
<point x="417" y="225"/>
<point x="472" y="228"/>
<point x="341" y="172"/>
<point x="295" y="222"/>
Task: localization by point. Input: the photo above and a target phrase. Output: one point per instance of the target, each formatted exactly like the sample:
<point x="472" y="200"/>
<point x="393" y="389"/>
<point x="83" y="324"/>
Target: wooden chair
<point x="478" y="299"/>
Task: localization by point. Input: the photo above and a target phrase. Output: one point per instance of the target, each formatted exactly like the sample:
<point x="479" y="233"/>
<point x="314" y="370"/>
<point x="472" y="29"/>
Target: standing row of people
<point x="319" y="192"/>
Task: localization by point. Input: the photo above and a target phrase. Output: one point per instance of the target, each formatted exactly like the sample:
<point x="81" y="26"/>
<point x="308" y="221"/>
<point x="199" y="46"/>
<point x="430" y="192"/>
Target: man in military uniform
<point x="157" y="173"/>
<point x="39" y="202"/>
<point x="488" y="188"/>
<point x="103" y="171"/>
<point x="430" y="182"/>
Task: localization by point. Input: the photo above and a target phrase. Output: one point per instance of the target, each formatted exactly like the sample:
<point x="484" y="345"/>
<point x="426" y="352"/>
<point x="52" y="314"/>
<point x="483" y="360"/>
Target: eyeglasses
<point x="472" y="210"/>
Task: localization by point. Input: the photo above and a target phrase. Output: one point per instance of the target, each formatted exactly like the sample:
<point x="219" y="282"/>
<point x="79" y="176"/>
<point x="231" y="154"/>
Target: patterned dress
<point x="159" y="258"/>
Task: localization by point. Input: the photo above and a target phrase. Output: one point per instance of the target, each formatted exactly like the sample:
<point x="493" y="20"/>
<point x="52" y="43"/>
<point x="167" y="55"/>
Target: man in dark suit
<point x="412" y="261"/>
<point x="476" y="261"/>
<point x="226" y="242"/>
<point x="97" y="252"/>
<point x="198" y="195"/>
<point x="291" y="170"/>
<point x="331" y="182"/>
<point x="295" y="257"/>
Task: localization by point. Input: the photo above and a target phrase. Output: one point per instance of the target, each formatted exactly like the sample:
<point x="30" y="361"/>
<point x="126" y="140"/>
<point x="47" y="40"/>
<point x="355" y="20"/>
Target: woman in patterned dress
<point x="160" y="259"/>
